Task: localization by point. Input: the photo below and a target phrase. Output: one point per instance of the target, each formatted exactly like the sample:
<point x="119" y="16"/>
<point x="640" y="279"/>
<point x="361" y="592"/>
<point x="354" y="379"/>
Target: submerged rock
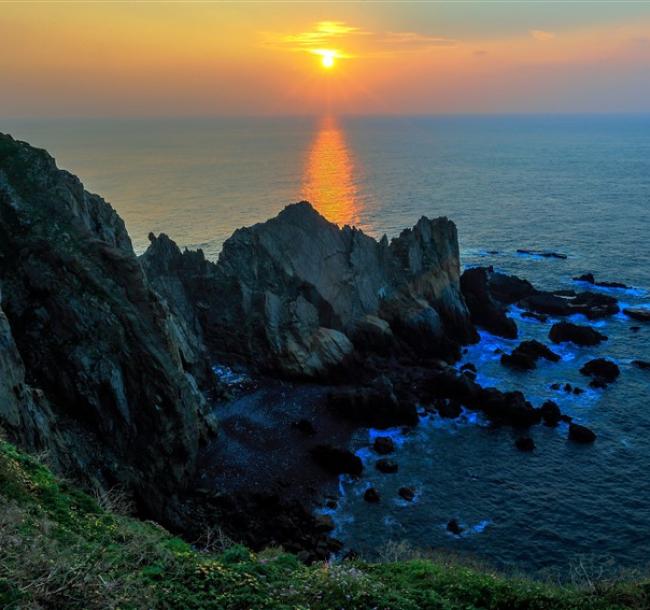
<point x="581" y="434"/>
<point x="542" y="253"/>
<point x="580" y="335"/>
<point x="641" y="364"/>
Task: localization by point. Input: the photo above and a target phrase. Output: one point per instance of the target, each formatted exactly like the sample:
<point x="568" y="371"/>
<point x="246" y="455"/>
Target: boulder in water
<point x="407" y="493"/>
<point x="562" y="332"/>
<point x="383" y="445"/>
<point x="525" y="443"/>
<point x="542" y="253"/>
<point x="551" y="413"/>
<point x="601" y="369"/>
<point x="637" y="313"/>
<point x="581" y="434"/>
<point x="526" y="354"/>
<point x="454" y="527"/>
<point x="371" y="495"/>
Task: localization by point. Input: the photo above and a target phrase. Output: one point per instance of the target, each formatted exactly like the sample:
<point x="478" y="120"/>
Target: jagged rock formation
<point x="93" y="366"/>
<point x="297" y="293"/>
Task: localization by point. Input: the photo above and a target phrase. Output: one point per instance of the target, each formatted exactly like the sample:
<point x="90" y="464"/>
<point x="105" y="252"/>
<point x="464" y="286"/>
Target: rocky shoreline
<point x="106" y="358"/>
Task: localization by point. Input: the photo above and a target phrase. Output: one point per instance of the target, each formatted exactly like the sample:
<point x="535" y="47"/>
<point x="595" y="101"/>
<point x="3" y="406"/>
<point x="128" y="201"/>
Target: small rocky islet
<point x="105" y="357"/>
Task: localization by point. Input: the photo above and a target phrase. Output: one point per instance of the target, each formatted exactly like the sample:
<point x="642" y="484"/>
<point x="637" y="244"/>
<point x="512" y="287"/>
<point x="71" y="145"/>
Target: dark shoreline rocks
<point x="601" y="370"/>
<point x="386" y="466"/>
<point x="551" y="413"/>
<point x="637" y="313"/>
<point x="525" y="444"/>
<point x="542" y="253"/>
<point x="563" y="332"/>
<point x="525" y="356"/>
<point x="484" y="309"/>
<point x="590" y="279"/>
<point x="337" y="460"/>
<point x="375" y="406"/>
<point x="581" y="434"/>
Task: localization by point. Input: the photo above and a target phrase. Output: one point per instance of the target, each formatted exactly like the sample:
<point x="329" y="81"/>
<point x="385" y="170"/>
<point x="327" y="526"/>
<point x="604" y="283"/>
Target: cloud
<point x="332" y="34"/>
<point x="322" y="34"/>
<point x="416" y="40"/>
<point x="541" y="35"/>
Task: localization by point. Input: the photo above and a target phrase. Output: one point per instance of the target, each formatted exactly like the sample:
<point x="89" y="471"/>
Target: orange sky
<point x="186" y="58"/>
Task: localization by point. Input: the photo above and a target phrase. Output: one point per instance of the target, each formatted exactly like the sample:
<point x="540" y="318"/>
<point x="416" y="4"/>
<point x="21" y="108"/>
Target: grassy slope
<point x="60" y="549"/>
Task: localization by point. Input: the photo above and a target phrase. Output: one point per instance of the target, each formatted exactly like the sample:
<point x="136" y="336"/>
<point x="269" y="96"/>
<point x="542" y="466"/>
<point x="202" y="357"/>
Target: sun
<point x="327" y="60"/>
<point x="328" y="57"/>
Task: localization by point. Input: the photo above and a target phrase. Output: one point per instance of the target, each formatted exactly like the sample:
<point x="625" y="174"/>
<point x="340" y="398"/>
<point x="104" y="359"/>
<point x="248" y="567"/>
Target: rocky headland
<point x="106" y="358"/>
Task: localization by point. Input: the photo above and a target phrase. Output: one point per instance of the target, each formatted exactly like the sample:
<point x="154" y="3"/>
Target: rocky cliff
<point x="93" y="366"/>
<point x="301" y="296"/>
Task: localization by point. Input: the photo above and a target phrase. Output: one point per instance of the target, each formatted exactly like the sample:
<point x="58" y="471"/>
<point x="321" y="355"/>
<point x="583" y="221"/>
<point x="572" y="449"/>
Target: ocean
<point x="578" y="185"/>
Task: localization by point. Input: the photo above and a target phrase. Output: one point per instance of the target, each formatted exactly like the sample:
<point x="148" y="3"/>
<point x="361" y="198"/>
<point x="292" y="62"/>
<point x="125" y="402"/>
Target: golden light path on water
<point x="328" y="180"/>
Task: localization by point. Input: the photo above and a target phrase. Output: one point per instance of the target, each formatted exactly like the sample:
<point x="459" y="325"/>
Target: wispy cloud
<point x="322" y="34"/>
<point x="329" y="34"/>
<point x="416" y="40"/>
<point x="542" y="35"/>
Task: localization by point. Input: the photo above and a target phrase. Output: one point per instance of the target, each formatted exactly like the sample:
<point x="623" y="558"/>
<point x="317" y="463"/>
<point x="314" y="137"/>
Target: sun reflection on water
<point x="328" y="180"/>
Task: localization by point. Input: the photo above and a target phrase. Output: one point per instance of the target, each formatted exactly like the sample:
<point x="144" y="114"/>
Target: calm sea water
<point x="578" y="185"/>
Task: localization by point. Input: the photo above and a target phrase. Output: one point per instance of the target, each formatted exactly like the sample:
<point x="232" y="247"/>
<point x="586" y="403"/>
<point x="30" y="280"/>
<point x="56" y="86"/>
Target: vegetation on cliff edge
<point x="60" y="548"/>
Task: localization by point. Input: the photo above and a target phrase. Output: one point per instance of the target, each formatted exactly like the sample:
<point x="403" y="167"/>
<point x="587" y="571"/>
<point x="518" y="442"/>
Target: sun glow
<point x="328" y="57"/>
<point x="327" y="61"/>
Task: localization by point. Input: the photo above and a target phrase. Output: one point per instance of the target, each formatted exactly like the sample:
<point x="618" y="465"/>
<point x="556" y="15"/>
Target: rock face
<point x="297" y="293"/>
<point x="486" y="311"/>
<point x="94" y="366"/>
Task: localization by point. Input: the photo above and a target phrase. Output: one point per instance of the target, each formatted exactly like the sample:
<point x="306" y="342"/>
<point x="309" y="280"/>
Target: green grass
<point x="60" y="549"/>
